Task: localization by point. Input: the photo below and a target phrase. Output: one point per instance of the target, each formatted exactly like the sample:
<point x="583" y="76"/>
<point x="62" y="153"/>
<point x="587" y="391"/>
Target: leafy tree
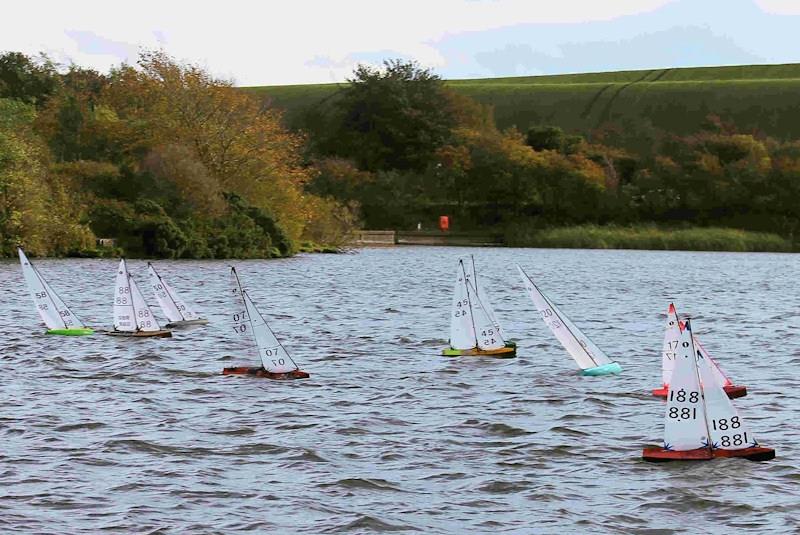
<point x="394" y="117"/>
<point x="29" y="80"/>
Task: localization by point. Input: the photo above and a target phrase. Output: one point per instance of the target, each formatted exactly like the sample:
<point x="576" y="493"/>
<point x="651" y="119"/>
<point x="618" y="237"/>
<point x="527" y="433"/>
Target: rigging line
<point x="564" y="323"/>
<point x="166" y="291"/>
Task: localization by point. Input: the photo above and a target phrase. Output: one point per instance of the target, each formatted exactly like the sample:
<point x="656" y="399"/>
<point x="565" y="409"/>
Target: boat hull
<point x="85" y="331"/>
<point x="733" y="391"/>
<point x="262" y="373"/>
<point x="612" y="368"/>
<point x="507" y="352"/>
<point x="187" y="323"/>
<point x="141" y="334"/>
<point x="658" y="455"/>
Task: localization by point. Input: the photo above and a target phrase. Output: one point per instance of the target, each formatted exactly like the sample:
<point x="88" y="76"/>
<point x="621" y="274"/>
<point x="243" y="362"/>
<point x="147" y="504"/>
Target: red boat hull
<point x="658" y="455"/>
<point x="733" y="391"/>
<point x="262" y="373"/>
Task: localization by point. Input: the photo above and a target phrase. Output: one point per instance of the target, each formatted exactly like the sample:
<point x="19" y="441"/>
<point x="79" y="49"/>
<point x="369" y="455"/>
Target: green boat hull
<point x="83" y="331"/>
<point x="605" y="369"/>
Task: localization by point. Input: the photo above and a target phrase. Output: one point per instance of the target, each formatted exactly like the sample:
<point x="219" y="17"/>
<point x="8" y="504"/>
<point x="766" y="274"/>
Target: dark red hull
<point x="658" y="455"/>
<point x="733" y="391"/>
<point x="262" y="373"/>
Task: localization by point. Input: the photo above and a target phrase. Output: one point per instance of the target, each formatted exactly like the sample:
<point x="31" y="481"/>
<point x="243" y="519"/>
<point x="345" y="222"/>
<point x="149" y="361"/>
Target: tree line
<point x="173" y="162"/>
<point x="161" y="156"/>
<point x="401" y="146"/>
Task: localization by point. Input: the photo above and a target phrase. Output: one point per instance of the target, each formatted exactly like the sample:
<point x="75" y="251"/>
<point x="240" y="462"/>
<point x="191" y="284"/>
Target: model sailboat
<point x="668" y="354"/>
<point x="132" y="315"/>
<point x="175" y="309"/>
<point x="249" y="324"/>
<point x="474" y="329"/>
<point x="701" y="422"/>
<point x="587" y="355"/>
<point x="58" y="318"/>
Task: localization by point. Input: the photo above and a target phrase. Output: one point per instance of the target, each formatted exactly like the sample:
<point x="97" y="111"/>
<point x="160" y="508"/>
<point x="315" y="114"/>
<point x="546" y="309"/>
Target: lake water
<point x="103" y="434"/>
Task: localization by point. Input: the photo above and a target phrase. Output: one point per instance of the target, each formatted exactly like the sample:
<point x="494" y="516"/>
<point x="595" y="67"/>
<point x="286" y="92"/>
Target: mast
<point x="695" y="353"/>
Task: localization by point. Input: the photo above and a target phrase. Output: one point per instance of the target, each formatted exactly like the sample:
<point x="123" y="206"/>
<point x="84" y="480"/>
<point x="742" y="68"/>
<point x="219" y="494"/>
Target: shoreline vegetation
<point x="650" y="238"/>
<point x="161" y="159"/>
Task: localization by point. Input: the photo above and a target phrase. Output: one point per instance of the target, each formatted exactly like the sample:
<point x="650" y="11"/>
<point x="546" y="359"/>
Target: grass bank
<point x="754" y="97"/>
<point x="647" y="237"/>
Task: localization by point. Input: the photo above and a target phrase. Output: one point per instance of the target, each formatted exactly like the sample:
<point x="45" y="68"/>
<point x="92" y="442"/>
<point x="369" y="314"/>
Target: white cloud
<point x="780" y="7"/>
<point x="276" y="42"/>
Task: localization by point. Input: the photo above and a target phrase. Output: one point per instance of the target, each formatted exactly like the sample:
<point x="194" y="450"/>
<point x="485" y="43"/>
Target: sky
<point x="278" y="42"/>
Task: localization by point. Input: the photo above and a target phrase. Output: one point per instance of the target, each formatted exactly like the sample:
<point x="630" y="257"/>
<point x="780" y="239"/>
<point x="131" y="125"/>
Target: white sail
<point x="672" y="334"/>
<point x="131" y="312"/>
<point x="52" y="310"/>
<point x="488" y="336"/>
<point x="725" y="426"/>
<point x="462" y="328"/>
<point x="274" y="356"/>
<point x="685" y="426"/>
<point x="145" y="321"/>
<point x="482" y="293"/>
<point x="124" y="315"/>
<point x="578" y="345"/>
<point x="174" y="308"/>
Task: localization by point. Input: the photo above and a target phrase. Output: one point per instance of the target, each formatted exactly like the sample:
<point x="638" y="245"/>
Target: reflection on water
<point x="103" y="433"/>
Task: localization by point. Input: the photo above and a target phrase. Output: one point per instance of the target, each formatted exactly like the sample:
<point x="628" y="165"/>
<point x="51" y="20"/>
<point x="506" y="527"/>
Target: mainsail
<point x="685" y="426"/>
<point x="462" y="327"/>
<point x="52" y="310"/>
<point x="578" y="345"/>
<point x="174" y="308"/>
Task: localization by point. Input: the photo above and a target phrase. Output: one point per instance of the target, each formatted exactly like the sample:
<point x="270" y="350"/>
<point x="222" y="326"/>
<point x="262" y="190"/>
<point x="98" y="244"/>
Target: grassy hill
<point x="762" y="98"/>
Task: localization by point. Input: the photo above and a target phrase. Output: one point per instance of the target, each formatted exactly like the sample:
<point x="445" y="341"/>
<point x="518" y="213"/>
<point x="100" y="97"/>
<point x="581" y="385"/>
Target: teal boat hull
<point x="606" y="369"/>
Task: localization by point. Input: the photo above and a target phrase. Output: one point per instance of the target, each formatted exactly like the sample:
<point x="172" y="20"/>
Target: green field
<point x="762" y="98"/>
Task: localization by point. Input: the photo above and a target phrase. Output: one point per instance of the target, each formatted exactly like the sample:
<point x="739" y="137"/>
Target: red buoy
<point x="658" y="455"/>
<point x="733" y="391"/>
<point x="261" y="372"/>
